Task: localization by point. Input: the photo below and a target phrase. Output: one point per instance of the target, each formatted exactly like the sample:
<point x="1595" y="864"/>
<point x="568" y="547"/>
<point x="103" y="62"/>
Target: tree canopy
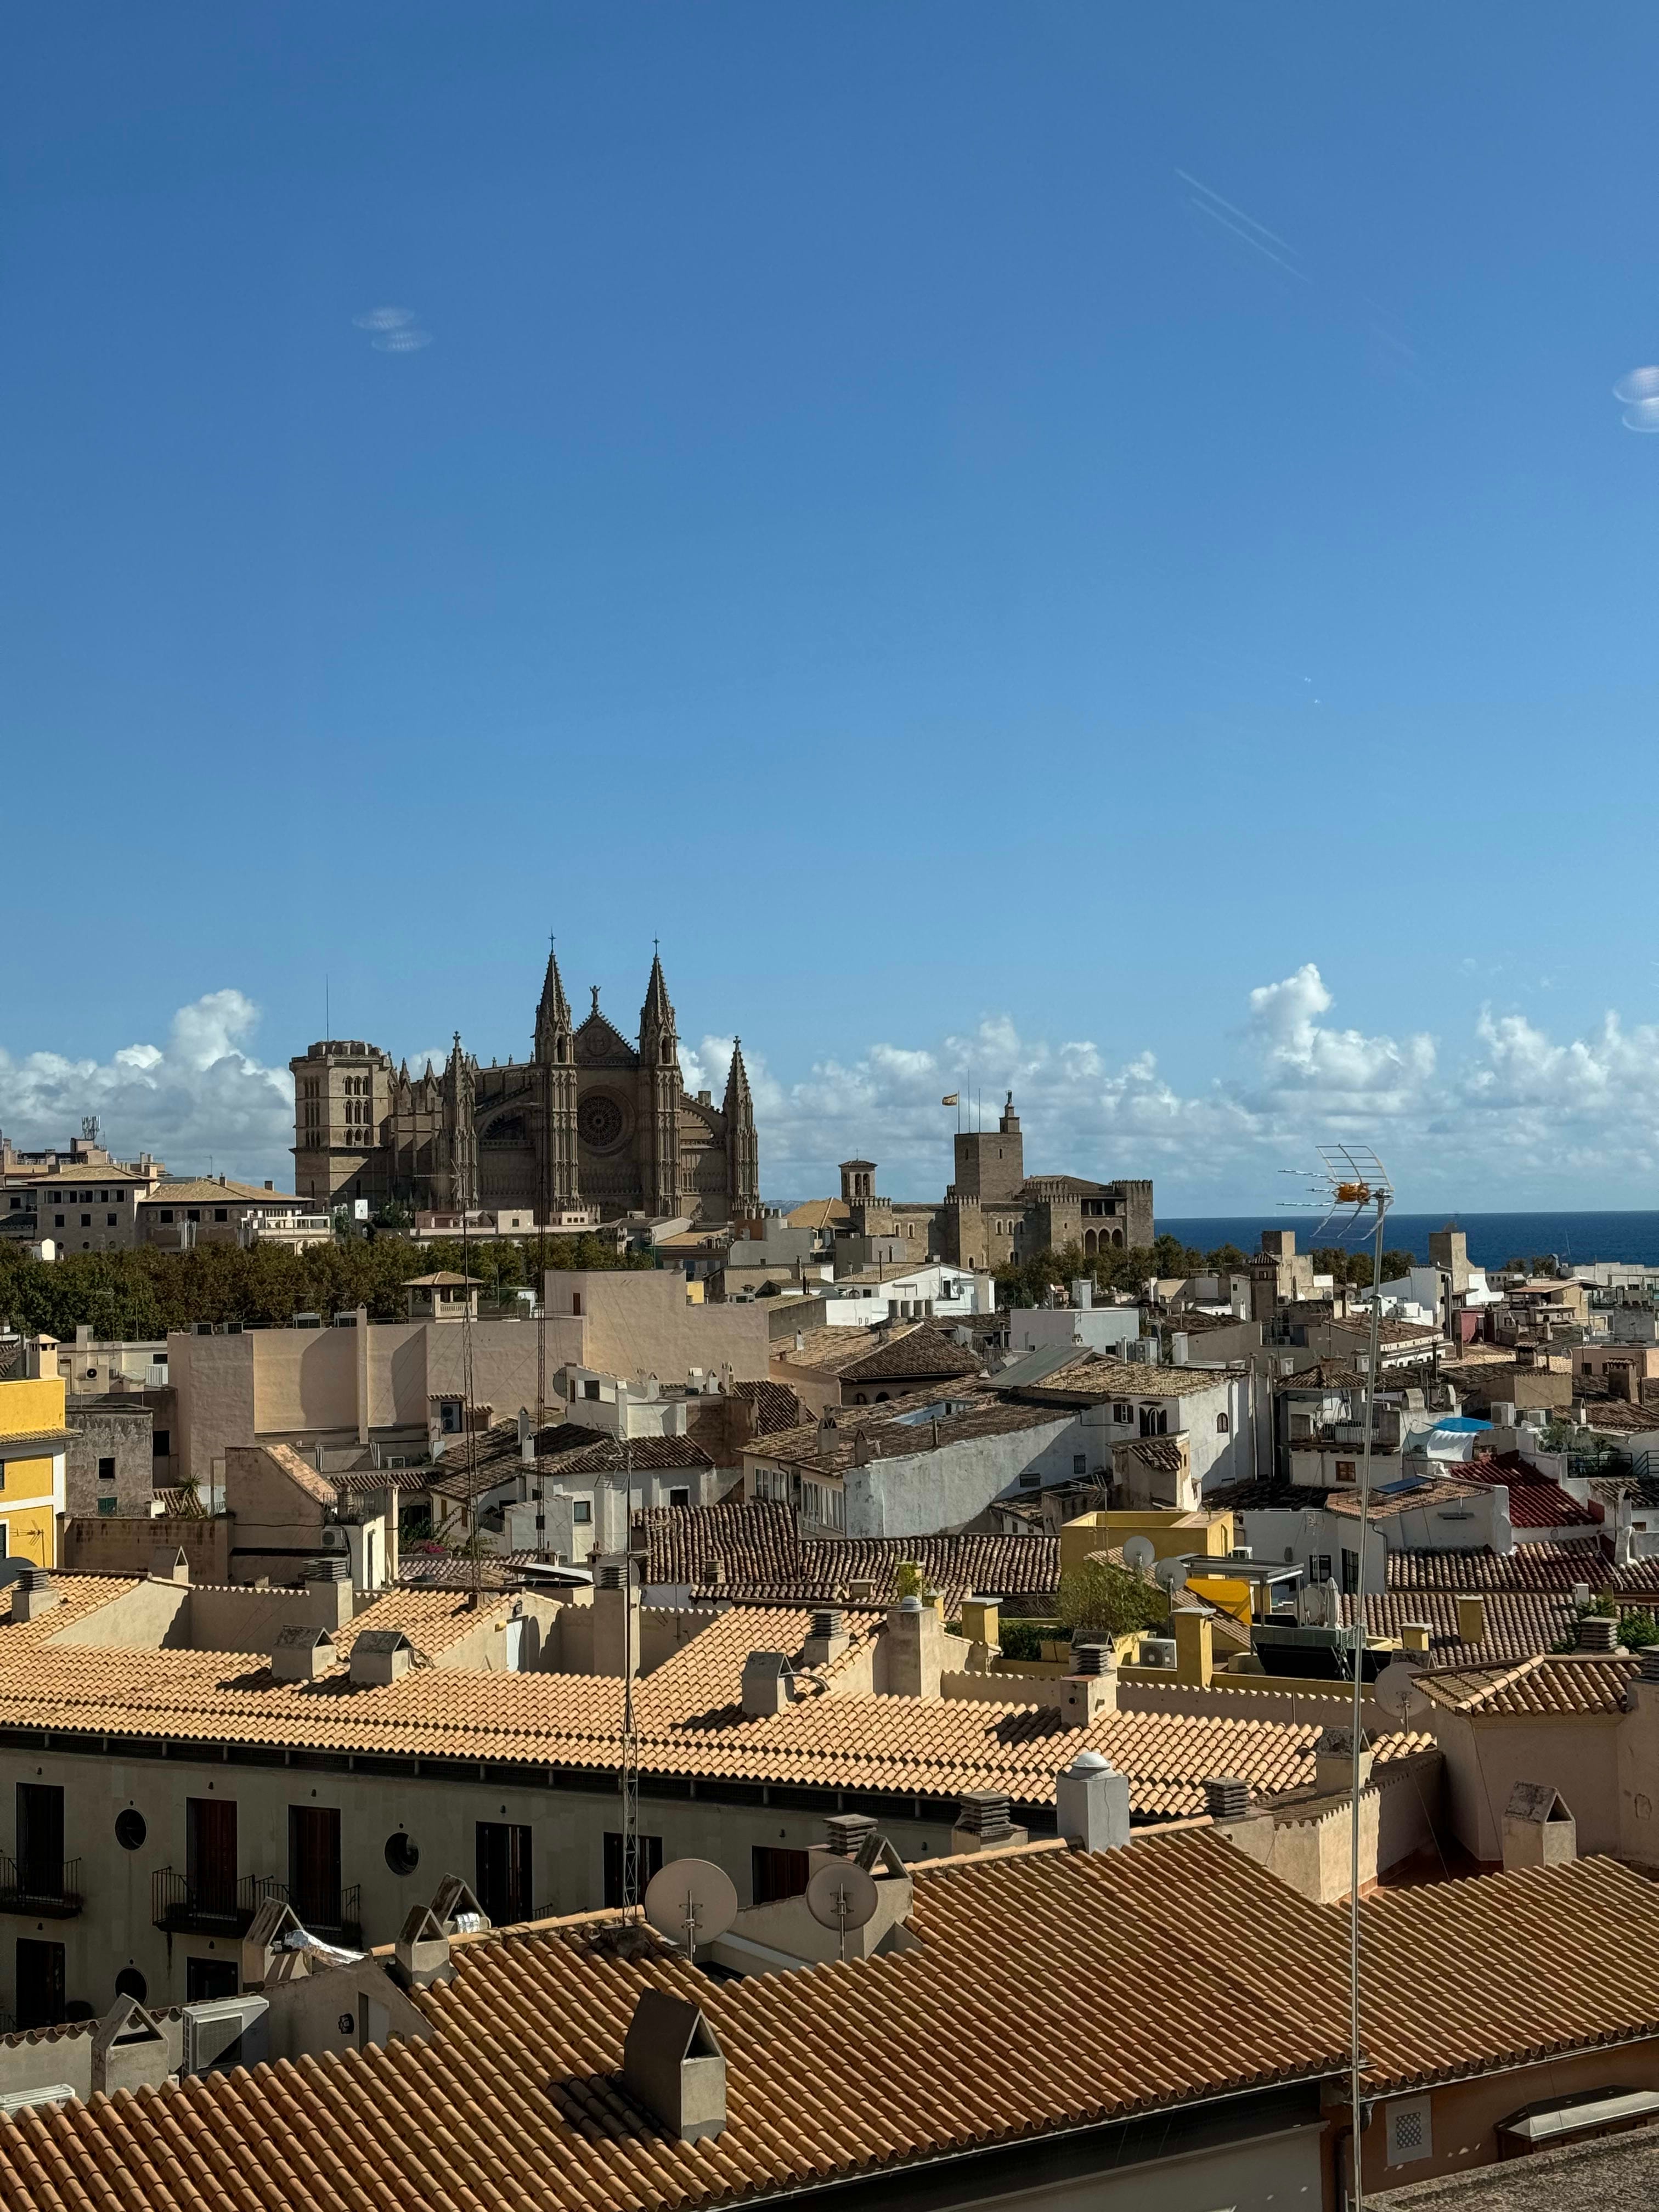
<point x="1098" y="1594"/>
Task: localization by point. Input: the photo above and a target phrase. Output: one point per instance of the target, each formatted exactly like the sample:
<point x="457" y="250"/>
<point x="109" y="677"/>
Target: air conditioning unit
<point x="223" y="2032"/>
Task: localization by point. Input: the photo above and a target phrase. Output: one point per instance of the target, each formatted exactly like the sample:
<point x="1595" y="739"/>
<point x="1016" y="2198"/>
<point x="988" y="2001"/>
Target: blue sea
<point x="1574" y="1239"/>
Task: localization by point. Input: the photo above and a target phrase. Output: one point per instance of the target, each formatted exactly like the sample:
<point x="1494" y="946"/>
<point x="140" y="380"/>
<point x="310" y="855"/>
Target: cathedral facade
<point x="590" y="1120"/>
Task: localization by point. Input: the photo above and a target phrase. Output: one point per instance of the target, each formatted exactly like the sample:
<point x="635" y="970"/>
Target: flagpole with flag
<point x="954" y="1098"/>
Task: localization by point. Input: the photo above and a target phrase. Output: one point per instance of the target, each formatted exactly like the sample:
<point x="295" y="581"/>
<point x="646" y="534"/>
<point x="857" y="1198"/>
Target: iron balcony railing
<point x="182" y="1908"/>
<point x="336" y="1919"/>
<point x="50" y="1893"/>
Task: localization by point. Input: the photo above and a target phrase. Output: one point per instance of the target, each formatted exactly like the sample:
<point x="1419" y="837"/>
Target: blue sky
<point x="999" y="533"/>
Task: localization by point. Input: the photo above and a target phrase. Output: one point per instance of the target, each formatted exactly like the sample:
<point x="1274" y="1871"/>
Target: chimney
<point x="301" y="1654"/>
<point x="1090" y="1655"/>
<point x="673" y="2065"/>
<point x="828" y="1638"/>
<point x="527" y="1436"/>
<point x="169" y="1565"/>
<point x="1471" y="1619"/>
<point x="980" y="1621"/>
<point x="1538" y="1829"/>
<point x="617" y="1621"/>
<point x="33" y="1594"/>
<point x="1333" y="1763"/>
<point x="767" y="1684"/>
<point x="328" y="1587"/>
<point x="269" y="1184"/>
<point x="380" y="1655"/>
<point x="1598" y="1632"/>
<point x="911" y="1649"/>
<point x="420" y="1954"/>
<point x="129" y="2051"/>
<point x="846" y="1835"/>
<point x="1226" y="1798"/>
<point x="1194" y="1647"/>
<point x="1091" y="1804"/>
<point x="983" y="1822"/>
<point x="1415" y="1635"/>
<point x="829" y="1433"/>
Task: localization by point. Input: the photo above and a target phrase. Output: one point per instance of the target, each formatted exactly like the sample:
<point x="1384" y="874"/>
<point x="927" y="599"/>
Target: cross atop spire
<point x="657" y="1015"/>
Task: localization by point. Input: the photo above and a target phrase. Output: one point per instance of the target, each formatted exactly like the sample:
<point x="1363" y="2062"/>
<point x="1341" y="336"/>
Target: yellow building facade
<point x="32" y="1443"/>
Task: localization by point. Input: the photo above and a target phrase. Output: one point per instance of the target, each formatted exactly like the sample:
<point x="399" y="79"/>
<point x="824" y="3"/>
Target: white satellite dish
<point x="1139" y="1552"/>
<point x="841" y="1895"/>
<point x="692" y="1900"/>
<point x="1170" y="1575"/>
<point x="1398" y="1690"/>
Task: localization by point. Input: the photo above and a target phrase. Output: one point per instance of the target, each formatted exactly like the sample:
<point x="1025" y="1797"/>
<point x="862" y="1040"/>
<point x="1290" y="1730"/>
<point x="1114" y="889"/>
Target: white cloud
<point x="201" y="1095"/>
<point x="1514" y="1119"/>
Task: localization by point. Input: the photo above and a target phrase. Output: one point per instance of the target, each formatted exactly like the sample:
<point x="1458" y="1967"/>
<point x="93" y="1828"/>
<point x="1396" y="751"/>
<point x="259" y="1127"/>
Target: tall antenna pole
<point x="629" y="1777"/>
<point x="1380" y="1195"/>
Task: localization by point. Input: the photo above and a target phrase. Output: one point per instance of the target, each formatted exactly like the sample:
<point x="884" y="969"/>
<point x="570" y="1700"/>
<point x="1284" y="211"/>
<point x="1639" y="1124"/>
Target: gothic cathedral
<point x="589" y="1122"/>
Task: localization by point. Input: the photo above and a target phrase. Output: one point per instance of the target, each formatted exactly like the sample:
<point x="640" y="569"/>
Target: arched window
<point x="1221" y="1425"/>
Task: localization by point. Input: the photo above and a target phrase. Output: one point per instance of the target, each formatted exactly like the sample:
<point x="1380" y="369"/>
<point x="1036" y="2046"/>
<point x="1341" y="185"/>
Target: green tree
<point x="1098" y="1594"/>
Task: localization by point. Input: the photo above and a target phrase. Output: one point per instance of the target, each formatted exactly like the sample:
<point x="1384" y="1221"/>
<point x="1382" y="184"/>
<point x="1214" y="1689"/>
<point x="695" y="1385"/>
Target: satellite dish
<point x="691" y="1900"/>
<point x="1139" y="1553"/>
<point x="841" y="1895"/>
<point x="1170" y="1575"/>
<point x="1398" y="1692"/>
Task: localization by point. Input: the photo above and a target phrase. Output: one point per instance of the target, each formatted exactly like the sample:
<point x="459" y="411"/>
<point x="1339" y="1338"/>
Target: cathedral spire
<point x="737" y="1098"/>
<point x="657" y="1015"/>
<point x="553" y="1013"/>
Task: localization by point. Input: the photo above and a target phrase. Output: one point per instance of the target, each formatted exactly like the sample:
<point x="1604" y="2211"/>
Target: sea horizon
<point x="1574" y="1238"/>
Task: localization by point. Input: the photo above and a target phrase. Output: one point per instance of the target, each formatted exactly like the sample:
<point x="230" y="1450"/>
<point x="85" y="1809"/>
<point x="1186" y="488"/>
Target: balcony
<point x="209" y="1908"/>
<point x="44" y="1891"/>
<point x="337" y="1918"/>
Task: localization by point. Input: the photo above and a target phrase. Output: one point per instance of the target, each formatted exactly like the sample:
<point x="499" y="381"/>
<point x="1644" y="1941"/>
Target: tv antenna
<point x="693" y="1901"/>
<point x="1350" y="1178"/>
<point x="841" y="1895"/>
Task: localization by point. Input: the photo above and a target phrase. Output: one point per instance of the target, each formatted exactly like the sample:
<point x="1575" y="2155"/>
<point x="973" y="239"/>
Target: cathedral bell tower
<point x="660" y="1088"/>
<point x="555" y="1067"/>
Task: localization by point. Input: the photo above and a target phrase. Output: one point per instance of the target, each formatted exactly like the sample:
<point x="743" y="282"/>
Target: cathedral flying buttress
<point x="589" y="1121"/>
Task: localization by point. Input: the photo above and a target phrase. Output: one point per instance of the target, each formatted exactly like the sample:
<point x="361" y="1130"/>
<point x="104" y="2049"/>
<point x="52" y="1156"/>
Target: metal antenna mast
<point x="1352" y="1176"/>
<point x="629" y="1778"/>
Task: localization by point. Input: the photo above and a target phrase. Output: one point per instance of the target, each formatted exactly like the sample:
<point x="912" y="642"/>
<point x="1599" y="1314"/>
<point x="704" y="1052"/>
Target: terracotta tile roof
<point x="775" y="1406"/>
<point x="206" y="1190"/>
<point x="512" y="2098"/>
<point x="440" y="1569"/>
<point x="301" y="1472"/>
<point x="688" y="1712"/>
<point x="1574" y="1683"/>
<point x="35" y="1443"/>
<point x="1161" y="1454"/>
<point x="1542" y="1567"/>
<point x="1503" y="1969"/>
<point x="565" y="1449"/>
<point x="762" y="1557"/>
<point x="869" y="1355"/>
<point x="1534" y="1501"/>
<point x="884" y="1432"/>
<point x="1519" y="1622"/>
<point x="1098" y="1376"/>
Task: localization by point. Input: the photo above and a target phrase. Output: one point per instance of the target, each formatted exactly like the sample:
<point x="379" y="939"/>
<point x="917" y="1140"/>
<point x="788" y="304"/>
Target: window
<point x="1079" y="1463"/>
<point x="1319" y="1567"/>
<point x="576" y="1303"/>
<point x="40" y="1839"/>
<point x="590" y="1389"/>
<point x="220" y="1213"/>
<point x="129" y="1829"/>
<point x="161" y="1444"/>
<point x="1345" y="1470"/>
<point x="86" y="1221"/>
<point x="130" y="1983"/>
<point x="166" y="1215"/>
<point x="206" y="1980"/>
<point x="40" y="1984"/>
<point x="1120" y="1412"/>
<point x="648" y="1862"/>
<point x="402" y="1854"/>
<point x="108" y="1505"/>
<point x="503" y="1870"/>
<point x="106" y="1470"/>
<point x="109" y="1221"/>
<point x="192" y="1213"/>
<point x="679" y="1497"/>
<point x="1350" y="1572"/>
<point x="778" y="1874"/>
<point x="1221" y="1425"/>
<point x="582" y="1512"/>
<point x="58" y="1222"/>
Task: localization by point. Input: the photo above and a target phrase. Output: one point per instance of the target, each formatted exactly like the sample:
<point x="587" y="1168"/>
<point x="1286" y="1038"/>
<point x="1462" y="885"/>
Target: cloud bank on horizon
<point x="1515" y="1118"/>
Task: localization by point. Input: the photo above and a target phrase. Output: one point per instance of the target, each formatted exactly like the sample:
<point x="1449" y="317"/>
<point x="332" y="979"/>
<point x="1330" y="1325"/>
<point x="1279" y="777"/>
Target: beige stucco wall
<point x="1577" y="1753"/>
<point x="636" y="1323"/>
